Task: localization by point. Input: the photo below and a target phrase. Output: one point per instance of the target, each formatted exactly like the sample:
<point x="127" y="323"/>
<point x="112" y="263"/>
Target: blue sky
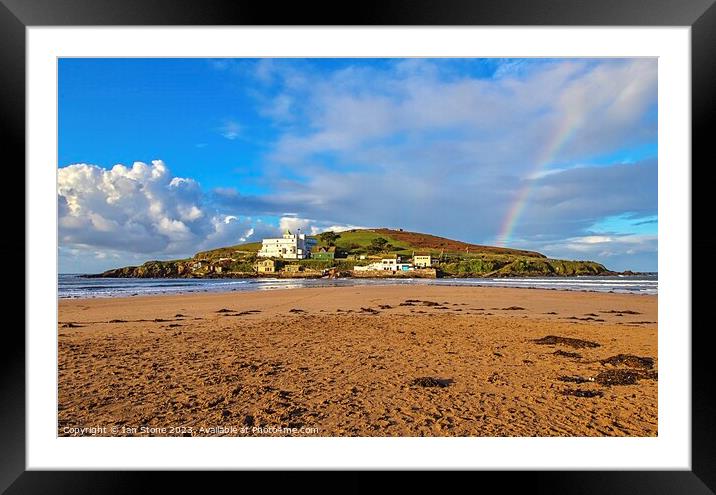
<point x="160" y="158"/>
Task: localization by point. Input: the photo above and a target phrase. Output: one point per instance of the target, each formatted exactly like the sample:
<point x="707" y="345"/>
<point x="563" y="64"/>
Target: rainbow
<point x="564" y="131"/>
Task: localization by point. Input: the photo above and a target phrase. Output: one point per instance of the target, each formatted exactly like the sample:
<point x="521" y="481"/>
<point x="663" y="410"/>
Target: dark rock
<point x="429" y="381"/>
<point x="574" y="355"/>
<point x="624" y="377"/>
<point x="576" y="379"/>
<point x="568" y="341"/>
<point x="583" y="393"/>
<point x="630" y="361"/>
<point x="622" y="311"/>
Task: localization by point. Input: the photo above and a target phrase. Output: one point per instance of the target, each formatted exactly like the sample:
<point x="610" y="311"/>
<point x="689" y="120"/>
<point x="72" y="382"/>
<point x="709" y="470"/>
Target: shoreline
<point x="360" y="361"/>
<point x="77" y="290"/>
<point x="206" y="292"/>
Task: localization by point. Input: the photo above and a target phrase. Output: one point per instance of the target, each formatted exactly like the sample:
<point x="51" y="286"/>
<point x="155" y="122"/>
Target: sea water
<point x="76" y="286"/>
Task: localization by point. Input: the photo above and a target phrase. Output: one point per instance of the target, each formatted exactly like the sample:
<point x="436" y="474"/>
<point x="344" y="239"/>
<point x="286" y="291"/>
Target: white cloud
<point x="294" y="223"/>
<point x="313" y="227"/>
<point x="513" y="117"/>
<point x="228" y="230"/>
<point x="280" y="108"/>
<point x="617" y="252"/>
<point x="342" y="228"/>
<point x="141" y="210"/>
<point x="231" y="130"/>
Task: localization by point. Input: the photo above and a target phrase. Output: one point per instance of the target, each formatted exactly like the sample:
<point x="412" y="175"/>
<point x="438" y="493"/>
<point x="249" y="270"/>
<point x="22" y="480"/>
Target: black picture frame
<point x="700" y="15"/>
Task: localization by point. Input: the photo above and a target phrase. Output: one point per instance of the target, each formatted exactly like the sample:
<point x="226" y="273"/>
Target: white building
<point x="290" y="246"/>
<point x="386" y="264"/>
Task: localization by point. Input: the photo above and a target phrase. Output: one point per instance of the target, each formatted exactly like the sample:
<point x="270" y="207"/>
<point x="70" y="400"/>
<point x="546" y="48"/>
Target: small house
<point x="267" y="266"/>
<point x="323" y="253"/>
<point x="387" y="264"/>
<point x="422" y="261"/>
<point x="293" y="268"/>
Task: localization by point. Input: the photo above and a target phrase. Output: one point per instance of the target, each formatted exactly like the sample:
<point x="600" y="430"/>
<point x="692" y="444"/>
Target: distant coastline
<point x="365" y="253"/>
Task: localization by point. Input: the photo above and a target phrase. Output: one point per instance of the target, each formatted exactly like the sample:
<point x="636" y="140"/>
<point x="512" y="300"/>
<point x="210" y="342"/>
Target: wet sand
<point x="360" y="361"/>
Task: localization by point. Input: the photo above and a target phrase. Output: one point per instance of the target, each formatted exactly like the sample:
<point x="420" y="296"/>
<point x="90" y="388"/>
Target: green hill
<point x="360" y="246"/>
<point x="400" y="242"/>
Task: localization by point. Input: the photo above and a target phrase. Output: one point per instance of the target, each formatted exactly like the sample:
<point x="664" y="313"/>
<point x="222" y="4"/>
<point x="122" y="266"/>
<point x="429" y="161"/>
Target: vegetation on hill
<point x="434" y="244"/>
<point x="361" y="246"/>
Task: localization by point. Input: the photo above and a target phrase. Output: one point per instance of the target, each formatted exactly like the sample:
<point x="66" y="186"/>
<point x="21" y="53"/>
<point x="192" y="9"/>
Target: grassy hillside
<point x="435" y="245"/>
<point x="229" y="251"/>
<point x="399" y="242"/>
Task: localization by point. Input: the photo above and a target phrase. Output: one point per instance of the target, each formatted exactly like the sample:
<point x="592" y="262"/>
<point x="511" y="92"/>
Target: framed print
<point x="418" y="238"/>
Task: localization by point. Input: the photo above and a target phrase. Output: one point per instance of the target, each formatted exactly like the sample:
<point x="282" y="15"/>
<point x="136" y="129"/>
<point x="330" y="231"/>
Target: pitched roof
<point x="323" y="249"/>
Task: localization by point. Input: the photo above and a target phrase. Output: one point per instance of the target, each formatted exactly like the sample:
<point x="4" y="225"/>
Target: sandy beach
<point x="360" y="361"/>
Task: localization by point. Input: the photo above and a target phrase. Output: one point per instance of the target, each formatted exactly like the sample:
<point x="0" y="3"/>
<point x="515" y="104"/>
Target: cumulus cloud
<point x="313" y="227"/>
<point x="142" y="210"/>
<point x="294" y="223"/>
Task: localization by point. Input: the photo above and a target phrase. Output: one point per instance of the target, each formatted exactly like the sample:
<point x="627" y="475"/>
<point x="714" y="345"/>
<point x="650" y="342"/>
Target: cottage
<point x="293" y="268"/>
<point x="422" y="261"/>
<point x="323" y="253"/>
<point x="267" y="266"/>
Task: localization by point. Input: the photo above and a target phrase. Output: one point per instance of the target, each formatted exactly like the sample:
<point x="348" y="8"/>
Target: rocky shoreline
<point x="139" y="272"/>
